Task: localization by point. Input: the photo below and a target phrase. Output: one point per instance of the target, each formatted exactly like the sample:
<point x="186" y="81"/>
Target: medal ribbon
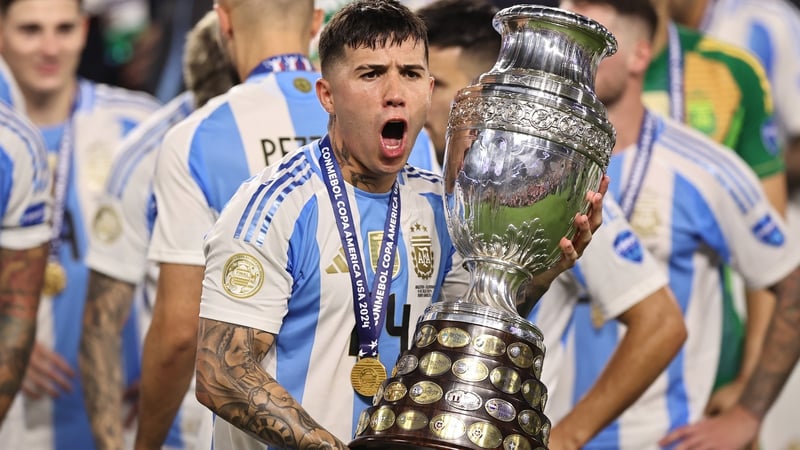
<point x="60" y="187"/>
<point x="677" y="107"/>
<point x="283" y="63"/>
<point x="369" y="306"/>
<point x="641" y="160"/>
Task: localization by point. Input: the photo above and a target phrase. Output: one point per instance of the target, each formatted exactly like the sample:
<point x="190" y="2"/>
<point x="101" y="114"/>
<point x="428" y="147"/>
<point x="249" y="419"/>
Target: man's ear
<point x="224" y="19"/>
<point x="325" y="95"/>
<point x="642" y="55"/>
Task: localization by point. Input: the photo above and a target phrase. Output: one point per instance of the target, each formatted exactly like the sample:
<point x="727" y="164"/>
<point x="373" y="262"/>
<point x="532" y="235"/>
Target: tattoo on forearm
<point x="232" y="383"/>
<point x="107" y="306"/>
<point x="781" y="349"/>
<point x="21" y="274"/>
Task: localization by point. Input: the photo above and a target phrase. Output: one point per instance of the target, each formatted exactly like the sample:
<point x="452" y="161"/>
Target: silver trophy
<point x="524" y="145"/>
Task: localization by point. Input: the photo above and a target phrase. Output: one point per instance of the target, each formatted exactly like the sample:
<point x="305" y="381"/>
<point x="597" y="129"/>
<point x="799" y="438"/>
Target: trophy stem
<point x="496" y="283"/>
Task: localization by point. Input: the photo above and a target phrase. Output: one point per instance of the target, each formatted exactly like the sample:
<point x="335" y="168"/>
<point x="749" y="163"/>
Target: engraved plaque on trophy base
<point x="470" y="380"/>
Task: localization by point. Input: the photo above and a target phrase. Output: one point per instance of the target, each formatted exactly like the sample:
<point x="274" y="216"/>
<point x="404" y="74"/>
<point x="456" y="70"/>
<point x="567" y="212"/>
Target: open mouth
<point x="393" y="132"/>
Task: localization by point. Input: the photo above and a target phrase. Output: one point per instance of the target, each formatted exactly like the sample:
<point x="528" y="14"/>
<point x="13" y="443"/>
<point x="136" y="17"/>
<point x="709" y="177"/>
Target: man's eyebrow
<point x="371" y="67"/>
<point x="384" y="66"/>
<point x="413" y="67"/>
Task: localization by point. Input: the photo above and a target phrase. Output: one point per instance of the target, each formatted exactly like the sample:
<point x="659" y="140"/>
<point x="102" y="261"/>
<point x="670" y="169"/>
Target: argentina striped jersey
<point x="103" y="115"/>
<point x="24" y="183"/>
<point x="699" y="206"/>
<point x="281" y="227"/>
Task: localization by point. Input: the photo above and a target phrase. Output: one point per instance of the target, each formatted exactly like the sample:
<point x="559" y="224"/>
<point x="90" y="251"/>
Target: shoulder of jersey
<point x="107" y="95"/>
<point x="16" y="126"/>
<point x="697" y="147"/>
<point x="732" y="54"/>
<point x="422" y="180"/>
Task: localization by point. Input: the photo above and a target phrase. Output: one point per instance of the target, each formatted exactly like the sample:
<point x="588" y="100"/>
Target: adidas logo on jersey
<point x="339" y="264"/>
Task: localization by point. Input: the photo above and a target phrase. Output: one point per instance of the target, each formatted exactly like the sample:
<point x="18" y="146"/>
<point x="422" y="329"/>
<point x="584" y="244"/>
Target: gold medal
<point x="367" y="376"/>
<point x="55" y="279"/>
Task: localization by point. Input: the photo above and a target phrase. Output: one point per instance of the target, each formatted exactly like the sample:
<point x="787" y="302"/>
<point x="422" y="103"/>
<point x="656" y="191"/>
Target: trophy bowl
<point x="525" y="143"/>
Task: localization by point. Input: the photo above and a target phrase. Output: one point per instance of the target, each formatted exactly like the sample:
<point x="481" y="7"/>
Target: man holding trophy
<point x="305" y="252"/>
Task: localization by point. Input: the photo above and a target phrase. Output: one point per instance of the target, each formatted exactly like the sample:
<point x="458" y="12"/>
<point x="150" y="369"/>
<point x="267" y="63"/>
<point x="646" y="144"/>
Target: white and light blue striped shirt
<point x="283" y="220"/>
<point x="103" y="115"/>
<point x="699" y="207"/>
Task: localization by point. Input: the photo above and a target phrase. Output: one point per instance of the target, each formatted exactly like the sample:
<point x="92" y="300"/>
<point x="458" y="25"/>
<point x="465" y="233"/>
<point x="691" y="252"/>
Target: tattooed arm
<point x="107" y="305"/>
<point x="232" y="383"/>
<point x="21" y="275"/>
<point x="781" y="350"/>
<point x="738" y="426"/>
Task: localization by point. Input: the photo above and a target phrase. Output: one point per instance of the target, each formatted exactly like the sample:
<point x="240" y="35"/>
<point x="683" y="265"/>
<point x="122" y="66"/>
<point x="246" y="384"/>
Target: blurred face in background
<point x="450" y="75"/>
<point x="452" y="69"/>
<point x="633" y="50"/>
<point x="42" y="41"/>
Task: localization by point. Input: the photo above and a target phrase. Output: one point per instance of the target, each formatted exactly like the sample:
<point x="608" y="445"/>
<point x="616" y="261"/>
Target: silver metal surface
<point x="524" y="145"/>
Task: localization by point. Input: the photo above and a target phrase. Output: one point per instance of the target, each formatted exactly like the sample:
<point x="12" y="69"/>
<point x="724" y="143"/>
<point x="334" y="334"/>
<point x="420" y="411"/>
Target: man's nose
<point x="394" y="90"/>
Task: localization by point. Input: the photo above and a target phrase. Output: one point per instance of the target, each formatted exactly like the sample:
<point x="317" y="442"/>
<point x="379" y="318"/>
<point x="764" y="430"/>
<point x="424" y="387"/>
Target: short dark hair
<point x="5" y="4"/>
<point x="641" y="9"/>
<point x="466" y="24"/>
<point x="369" y="24"/>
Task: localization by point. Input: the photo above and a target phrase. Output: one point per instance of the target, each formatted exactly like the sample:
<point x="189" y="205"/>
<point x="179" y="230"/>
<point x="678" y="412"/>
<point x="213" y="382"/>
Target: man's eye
<point x="29" y="29"/>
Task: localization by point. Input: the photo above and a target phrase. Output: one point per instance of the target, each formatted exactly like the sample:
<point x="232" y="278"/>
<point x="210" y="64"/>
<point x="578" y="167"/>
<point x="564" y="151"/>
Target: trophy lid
<point x="552" y="40"/>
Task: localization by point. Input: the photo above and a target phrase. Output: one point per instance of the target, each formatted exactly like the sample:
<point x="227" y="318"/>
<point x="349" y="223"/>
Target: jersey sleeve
<point x="120" y="230"/>
<point x="739" y="222"/>
<point x="784" y="68"/>
<point x="758" y="142"/>
<point x="247" y="283"/>
<point x="122" y="225"/>
<point x="24" y="185"/>
<point x="183" y="216"/>
<point x="616" y="270"/>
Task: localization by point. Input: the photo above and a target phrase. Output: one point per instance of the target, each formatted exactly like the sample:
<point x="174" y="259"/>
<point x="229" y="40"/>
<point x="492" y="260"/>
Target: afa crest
<point x="422" y="255"/>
